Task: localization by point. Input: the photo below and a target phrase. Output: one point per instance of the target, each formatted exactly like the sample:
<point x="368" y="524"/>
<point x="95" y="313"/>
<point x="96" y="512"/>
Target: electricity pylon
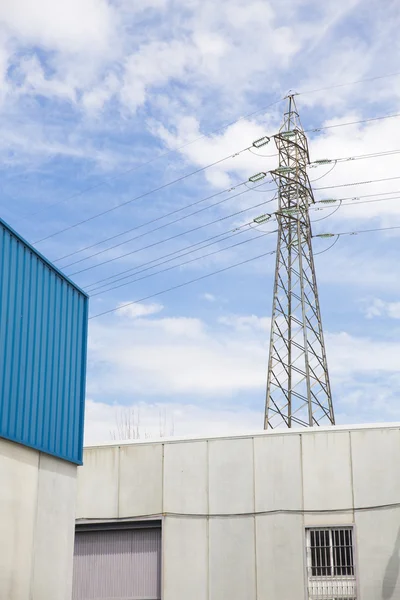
<point x="298" y="388"/>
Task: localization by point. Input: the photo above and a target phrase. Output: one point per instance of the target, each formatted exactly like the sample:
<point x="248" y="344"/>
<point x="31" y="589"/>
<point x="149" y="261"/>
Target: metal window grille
<point x="330" y="564"/>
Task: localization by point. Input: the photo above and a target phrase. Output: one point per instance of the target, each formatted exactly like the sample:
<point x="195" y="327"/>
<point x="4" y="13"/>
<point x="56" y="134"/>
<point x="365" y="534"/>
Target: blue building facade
<point x="43" y="344"/>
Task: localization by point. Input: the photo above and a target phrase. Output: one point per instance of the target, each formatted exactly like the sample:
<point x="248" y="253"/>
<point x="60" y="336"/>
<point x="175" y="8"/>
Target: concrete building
<point x="280" y="515"/>
<point x="37" y="507"/>
<point x="43" y="331"/>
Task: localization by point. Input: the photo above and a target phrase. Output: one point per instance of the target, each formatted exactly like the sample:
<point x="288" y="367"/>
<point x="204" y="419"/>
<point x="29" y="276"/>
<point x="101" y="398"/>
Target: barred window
<point x="330" y="563"/>
<point x="331" y="552"/>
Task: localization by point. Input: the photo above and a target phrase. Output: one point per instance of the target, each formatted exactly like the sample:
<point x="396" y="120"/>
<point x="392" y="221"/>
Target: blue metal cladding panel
<point x="43" y="340"/>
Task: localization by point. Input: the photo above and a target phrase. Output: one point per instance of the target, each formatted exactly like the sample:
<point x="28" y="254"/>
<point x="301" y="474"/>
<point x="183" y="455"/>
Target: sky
<point x="102" y="102"/>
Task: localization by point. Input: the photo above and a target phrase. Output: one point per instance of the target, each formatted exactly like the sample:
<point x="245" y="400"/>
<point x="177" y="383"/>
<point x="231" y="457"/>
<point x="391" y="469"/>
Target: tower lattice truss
<point x="298" y="388"/>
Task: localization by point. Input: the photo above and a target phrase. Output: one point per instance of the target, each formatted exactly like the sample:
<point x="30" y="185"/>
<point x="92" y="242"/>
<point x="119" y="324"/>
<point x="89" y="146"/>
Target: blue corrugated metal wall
<point x="43" y="339"/>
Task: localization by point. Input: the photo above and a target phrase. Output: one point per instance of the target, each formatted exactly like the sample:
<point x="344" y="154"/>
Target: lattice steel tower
<point x="298" y="388"/>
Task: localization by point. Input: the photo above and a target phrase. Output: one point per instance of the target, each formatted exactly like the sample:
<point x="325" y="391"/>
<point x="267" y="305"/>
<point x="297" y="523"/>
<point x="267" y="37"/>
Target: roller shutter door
<point x="117" y="564"/>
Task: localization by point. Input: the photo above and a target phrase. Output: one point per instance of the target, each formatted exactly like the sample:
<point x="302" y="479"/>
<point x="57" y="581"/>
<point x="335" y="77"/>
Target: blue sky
<point x="91" y="90"/>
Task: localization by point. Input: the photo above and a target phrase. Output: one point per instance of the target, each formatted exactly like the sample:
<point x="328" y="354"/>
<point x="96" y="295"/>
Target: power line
<point x="145" y="164"/>
<point x="217" y="130"/>
<point x="314" y="163"/>
<point x="226" y="269"/>
<point x="194" y="229"/>
<point x="330" y="187"/>
<point x="145" y="194"/>
<point x="325" y="174"/>
<point x="336" y="208"/>
<point x="358" y="197"/>
<point x="322" y="162"/>
<point x="316" y="129"/>
<point x="352" y="203"/>
<point x="243" y="262"/>
<point x="175" y="254"/>
<point x="218" y="238"/>
<point x="197" y="258"/>
<point x="356" y="232"/>
<point x="164" y="259"/>
<point x="170" y="238"/>
<point x="151" y="231"/>
<point x="113" y="237"/>
<point x="192" y="247"/>
<point x="339" y="85"/>
<point x="327" y="249"/>
<point x="183" y="233"/>
<point x="161" y="226"/>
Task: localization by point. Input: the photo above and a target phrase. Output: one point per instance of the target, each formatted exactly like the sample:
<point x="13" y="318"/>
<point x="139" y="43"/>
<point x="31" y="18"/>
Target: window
<point x="330" y="563"/>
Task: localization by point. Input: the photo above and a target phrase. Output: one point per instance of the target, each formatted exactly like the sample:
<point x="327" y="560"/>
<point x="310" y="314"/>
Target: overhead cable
<point x="330" y="187"/>
<point x="174" y="255"/>
<point x="167" y="239"/>
<point x="339" y="85"/>
<point x="316" y="129"/>
<point x="143" y="195"/>
<point x="152" y="264"/>
<point x="212" y="132"/>
<point x="175" y="287"/>
<point x="170" y="238"/>
<point x="356" y="231"/>
<point x="152" y="160"/>
<point x="197" y="258"/>
<point x="178" y="220"/>
<point x="177" y="254"/>
<point x="326" y="161"/>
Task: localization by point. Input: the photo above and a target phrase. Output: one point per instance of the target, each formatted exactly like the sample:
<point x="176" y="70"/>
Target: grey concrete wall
<point x="37" y="508"/>
<point x="244" y="549"/>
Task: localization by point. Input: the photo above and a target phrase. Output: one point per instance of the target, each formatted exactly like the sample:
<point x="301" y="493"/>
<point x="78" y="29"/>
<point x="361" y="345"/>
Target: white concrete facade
<point x="234" y="510"/>
<point x="37" y="508"/>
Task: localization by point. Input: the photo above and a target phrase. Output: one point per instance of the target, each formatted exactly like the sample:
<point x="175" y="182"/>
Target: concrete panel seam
<point x="305" y="592"/>
<point x="255" y="520"/>
<point x="118" y="481"/>
<point x="162" y="522"/>
<point x="351" y="470"/>
<point x="208" y="520"/>
<point x="162" y="477"/>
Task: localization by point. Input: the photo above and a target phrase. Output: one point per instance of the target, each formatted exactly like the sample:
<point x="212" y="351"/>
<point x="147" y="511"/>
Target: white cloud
<point x="342" y="142"/>
<point x="74" y="26"/>
<point x="209" y="297"/>
<point x="163" y="420"/>
<point x="210" y="149"/>
<point x="199" y="44"/>
<point x="137" y="310"/>
<point x="154" y="64"/>
<point x="380" y="308"/>
<point x="35" y="81"/>
<point x="132" y="6"/>
<point x="89" y="52"/>
<point x="350" y="356"/>
<point x="356" y="264"/>
<point x="174" y="356"/>
<point x="167" y="357"/>
<point x="246" y="322"/>
<point x="181" y="327"/>
<point x="353" y="141"/>
<point x="94" y="99"/>
<point x="185" y="384"/>
<point x="30" y="143"/>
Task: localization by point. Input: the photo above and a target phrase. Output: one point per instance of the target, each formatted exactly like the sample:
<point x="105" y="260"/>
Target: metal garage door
<point x="117" y="564"/>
